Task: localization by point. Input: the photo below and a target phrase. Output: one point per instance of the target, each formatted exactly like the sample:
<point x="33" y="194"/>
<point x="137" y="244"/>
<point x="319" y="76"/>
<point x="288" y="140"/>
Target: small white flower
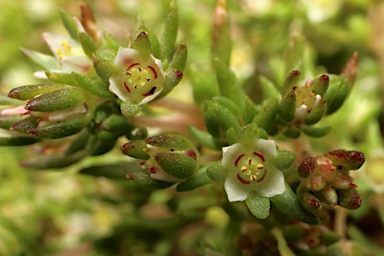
<point x="250" y="169"/>
<point x="140" y="78"/>
<point x="69" y="54"/>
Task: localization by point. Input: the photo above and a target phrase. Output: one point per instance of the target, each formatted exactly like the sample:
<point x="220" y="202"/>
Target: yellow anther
<point x="145" y="72"/>
<point x="260" y="166"/>
<point x="244" y="169"/>
<point x="314" y="185"/>
<point x="142" y="83"/>
<point x="252" y="177"/>
<point x="250" y="161"/>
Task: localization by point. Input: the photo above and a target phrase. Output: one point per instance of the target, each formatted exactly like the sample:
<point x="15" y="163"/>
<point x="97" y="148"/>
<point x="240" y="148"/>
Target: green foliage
<point x="258" y="85"/>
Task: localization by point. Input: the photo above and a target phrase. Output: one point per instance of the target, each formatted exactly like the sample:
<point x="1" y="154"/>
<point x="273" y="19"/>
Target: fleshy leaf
<point x="288" y="204"/>
<point x="169" y="35"/>
<point x="258" y="205"/>
<point x="200" y="178"/>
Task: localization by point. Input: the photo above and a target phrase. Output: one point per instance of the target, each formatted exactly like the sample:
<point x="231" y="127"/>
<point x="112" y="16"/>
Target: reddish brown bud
<point x="351" y="160"/>
<point x="349" y="199"/>
<point x="306" y="166"/>
<point x="351" y="67"/>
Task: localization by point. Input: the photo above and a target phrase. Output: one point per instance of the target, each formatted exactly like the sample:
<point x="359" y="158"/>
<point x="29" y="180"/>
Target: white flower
<point x="140" y="77"/>
<point x="69" y="54"/>
<point x="250" y="169"/>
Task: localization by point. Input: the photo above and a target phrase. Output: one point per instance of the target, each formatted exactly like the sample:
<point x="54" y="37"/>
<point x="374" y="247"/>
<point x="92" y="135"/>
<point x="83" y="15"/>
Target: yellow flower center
<point x="252" y="169"/>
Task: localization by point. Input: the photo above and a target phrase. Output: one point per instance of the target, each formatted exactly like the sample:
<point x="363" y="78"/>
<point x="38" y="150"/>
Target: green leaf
<point x="217" y="172"/>
<point x="316" y="113"/>
<point x="57" y="100"/>
<point x="179" y="58"/>
<point x="200" y="178"/>
<point x="221" y="114"/>
<point x="154" y="41"/>
<point x="18" y="140"/>
<point x="204" y="84"/>
<point x="221" y="36"/>
<point x="203" y="138"/>
<point x="270" y="91"/>
<point x="61" y="129"/>
<point x="53" y="161"/>
<point x="284" y="159"/>
<point x="316" y="131"/>
<point x="337" y="92"/>
<point x="168" y="39"/>
<point x="69" y="24"/>
<point x="97" y="146"/>
<point x="26" y="124"/>
<point x="258" y="205"/>
<point x="96" y="87"/>
<point x="291" y="82"/>
<point x="176" y="164"/>
<point x="143" y="179"/>
<point x="142" y="43"/>
<point x="78" y="144"/>
<point x="170" y="141"/>
<point x="111" y="171"/>
<point x="89" y="46"/>
<point x="135" y="149"/>
<point x="228" y="84"/>
<point x="249" y="133"/>
<point x="287" y="107"/>
<point x="28" y="92"/>
<point x="265" y="119"/>
<point x="43" y="60"/>
<point x="288" y="204"/>
<point x="320" y="85"/>
<point x="104" y="69"/>
<point x="128" y="109"/>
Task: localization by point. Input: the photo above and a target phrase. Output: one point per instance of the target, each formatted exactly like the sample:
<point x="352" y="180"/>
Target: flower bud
<point x="350" y="160"/>
<point x="349" y="199"/>
<point x="306" y="166"/>
<point x="308" y="201"/>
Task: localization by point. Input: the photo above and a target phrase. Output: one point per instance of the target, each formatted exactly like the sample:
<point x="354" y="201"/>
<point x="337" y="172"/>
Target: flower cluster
<point x="325" y="180"/>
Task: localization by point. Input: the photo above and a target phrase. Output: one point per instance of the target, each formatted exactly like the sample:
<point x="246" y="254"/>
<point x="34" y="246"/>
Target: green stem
<point x="287" y="203"/>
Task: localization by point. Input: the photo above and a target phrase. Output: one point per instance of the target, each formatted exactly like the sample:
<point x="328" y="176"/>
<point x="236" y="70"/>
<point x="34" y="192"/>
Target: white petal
<point x="127" y="56"/>
<point x="273" y="182"/>
<point x="150" y="98"/>
<point x="266" y="147"/>
<point x="231" y="153"/>
<point x="235" y="190"/>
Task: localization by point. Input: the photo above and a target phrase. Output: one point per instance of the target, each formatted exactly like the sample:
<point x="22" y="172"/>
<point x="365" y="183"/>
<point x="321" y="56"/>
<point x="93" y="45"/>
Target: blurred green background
<point x="62" y="213"/>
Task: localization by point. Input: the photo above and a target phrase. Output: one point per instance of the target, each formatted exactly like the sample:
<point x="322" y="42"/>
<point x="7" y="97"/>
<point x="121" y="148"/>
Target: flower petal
<point x="235" y="190"/>
<point x="231" y="153"/>
<point x="266" y="147"/>
<point x="272" y="184"/>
